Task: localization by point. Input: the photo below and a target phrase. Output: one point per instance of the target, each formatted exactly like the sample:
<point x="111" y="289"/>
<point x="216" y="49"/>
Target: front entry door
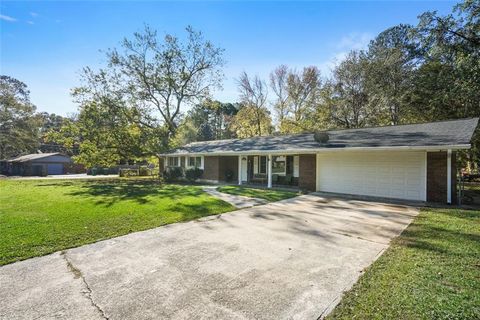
<point x="244" y="169"/>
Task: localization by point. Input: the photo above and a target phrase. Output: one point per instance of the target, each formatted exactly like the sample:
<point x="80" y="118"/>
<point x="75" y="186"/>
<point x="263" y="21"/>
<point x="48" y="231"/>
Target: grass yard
<point x="432" y="271"/>
<point x="38" y="217"/>
<point x="266" y="194"/>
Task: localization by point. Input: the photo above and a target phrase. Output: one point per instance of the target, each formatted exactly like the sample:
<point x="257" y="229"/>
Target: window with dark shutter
<point x="263" y="164"/>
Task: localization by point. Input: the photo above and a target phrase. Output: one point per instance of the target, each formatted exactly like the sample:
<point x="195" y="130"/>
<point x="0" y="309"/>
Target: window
<point x="263" y="164"/>
<point x="173" y="161"/>
<point x="279" y="164"/>
<point x="195" y="162"/>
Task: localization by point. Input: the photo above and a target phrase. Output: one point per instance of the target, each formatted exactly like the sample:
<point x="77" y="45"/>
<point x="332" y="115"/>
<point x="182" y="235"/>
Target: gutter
<point x="320" y="150"/>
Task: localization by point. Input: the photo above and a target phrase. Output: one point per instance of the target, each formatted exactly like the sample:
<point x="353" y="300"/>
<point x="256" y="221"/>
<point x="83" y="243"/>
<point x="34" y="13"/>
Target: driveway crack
<point x="77" y="274"/>
<point x="357" y="237"/>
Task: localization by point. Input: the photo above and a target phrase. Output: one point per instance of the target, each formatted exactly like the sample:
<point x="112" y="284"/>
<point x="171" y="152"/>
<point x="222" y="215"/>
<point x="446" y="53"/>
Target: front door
<point x="244" y="169"/>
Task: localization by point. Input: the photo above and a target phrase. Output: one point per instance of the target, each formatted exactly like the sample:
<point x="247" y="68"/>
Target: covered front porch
<point x="269" y="170"/>
<point x="288" y="171"/>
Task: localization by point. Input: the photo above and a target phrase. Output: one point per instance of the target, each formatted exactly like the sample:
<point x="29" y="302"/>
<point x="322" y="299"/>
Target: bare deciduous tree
<point x="156" y="77"/>
<point x="302" y="90"/>
<point x="297" y="95"/>
<point x="278" y="83"/>
<point x="253" y="93"/>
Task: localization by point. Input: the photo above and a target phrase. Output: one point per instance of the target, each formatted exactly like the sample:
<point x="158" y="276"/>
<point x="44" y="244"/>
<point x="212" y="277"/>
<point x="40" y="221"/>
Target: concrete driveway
<point x="286" y="260"/>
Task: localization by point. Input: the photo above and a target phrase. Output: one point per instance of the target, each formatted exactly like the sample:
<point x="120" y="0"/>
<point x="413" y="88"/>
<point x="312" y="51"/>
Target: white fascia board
<point x="319" y="150"/>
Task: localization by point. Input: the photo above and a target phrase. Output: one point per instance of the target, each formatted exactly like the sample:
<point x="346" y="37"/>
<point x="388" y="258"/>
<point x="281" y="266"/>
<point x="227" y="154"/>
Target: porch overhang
<point x="318" y="150"/>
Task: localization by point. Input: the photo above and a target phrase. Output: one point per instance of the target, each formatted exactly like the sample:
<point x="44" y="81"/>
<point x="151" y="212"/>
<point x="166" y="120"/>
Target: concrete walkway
<point x="285" y="260"/>
<point x="240" y="202"/>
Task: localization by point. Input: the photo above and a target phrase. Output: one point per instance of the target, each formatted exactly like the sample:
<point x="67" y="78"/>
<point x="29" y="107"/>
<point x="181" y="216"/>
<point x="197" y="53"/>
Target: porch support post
<point x="239" y="170"/>
<point x="449" y="176"/>
<point x="269" y="171"/>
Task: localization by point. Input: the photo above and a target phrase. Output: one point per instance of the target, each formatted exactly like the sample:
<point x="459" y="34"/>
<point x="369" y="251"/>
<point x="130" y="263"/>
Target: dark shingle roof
<point x="445" y="133"/>
<point x="34" y="156"/>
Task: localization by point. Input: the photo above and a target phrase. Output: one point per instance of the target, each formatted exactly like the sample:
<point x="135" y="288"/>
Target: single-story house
<point x="39" y="164"/>
<point x="411" y="162"/>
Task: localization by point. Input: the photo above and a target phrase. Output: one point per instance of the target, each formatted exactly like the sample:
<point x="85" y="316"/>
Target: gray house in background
<point x="38" y="164"/>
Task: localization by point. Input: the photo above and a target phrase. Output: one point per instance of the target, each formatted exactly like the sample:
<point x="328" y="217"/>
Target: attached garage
<point x="390" y="174"/>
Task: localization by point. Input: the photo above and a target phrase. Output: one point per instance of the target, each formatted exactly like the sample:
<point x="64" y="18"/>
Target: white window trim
<point x="177" y="162"/>
<point x="202" y="162"/>
<point x="284" y="173"/>
<point x="296" y="169"/>
<point x="260" y="164"/>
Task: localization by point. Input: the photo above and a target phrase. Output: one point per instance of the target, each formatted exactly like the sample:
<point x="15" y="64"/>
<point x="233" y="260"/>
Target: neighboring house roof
<point x="36" y="156"/>
<point x="452" y="134"/>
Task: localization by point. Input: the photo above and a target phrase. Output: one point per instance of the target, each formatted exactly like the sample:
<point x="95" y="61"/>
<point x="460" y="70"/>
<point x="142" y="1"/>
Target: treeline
<point x="154" y="93"/>
<point x="22" y="129"/>
<point x="407" y="74"/>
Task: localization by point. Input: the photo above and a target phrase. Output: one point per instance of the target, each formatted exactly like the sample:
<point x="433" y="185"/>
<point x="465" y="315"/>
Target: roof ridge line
<point x="333" y="130"/>
<point x="405" y="124"/>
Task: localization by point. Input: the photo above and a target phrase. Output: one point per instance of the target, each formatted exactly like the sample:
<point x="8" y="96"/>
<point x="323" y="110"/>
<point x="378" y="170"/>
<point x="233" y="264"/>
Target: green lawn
<point x="432" y="271"/>
<point x="266" y="194"/>
<point x="38" y="217"/>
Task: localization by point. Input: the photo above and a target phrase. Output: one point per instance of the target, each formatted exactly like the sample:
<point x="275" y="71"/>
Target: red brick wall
<point x="228" y="163"/>
<point x="215" y="167"/>
<point x="437" y="177"/>
<point x="211" y="168"/>
<point x="307" y="172"/>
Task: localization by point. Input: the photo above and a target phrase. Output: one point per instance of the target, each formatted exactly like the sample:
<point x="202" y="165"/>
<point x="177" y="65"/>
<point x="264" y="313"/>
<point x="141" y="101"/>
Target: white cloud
<point x="347" y="43"/>
<point x="34" y="14"/>
<point x="7" y="18"/>
<point x="354" y="41"/>
<point x="327" y="67"/>
<point x="30" y="22"/>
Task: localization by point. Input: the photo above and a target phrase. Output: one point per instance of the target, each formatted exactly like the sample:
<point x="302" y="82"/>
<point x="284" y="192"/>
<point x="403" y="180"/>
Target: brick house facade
<point x="409" y="162"/>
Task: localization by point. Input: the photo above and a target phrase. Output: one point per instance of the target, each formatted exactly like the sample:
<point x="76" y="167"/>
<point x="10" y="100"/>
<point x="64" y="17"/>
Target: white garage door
<point x="399" y="175"/>
<point x="55" y="168"/>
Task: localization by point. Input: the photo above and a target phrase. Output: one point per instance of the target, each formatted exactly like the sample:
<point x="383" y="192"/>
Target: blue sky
<point x="46" y="44"/>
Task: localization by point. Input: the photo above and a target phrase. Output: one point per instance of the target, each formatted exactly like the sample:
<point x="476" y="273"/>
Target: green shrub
<point x="193" y="174"/>
<point x="173" y="174"/>
<point x="229" y="175"/>
<point x="128" y="172"/>
<point x="144" y="171"/>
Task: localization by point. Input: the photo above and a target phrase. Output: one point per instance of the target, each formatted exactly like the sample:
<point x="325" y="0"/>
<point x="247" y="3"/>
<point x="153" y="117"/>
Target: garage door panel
<point x="54" y="168"/>
<point x="386" y="174"/>
<point x="413" y="195"/>
<point x="399" y="170"/>
<point x="414" y="183"/>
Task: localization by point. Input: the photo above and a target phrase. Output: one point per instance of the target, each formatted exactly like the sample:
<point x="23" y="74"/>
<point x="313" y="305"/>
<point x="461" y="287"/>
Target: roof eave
<point x="317" y="150"/>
